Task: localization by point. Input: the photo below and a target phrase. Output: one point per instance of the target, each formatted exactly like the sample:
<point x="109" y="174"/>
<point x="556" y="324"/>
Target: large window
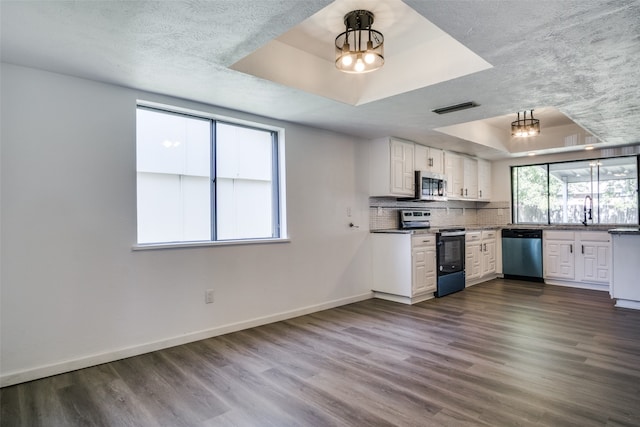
<point x="601" y="191"/>
<point x="199" y="179"/>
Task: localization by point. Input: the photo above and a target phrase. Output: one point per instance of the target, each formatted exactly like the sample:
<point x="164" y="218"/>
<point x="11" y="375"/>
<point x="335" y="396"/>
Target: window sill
<point x="177" y="245"/>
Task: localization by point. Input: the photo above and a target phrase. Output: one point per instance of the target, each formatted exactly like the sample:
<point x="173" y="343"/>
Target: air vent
<point x="457" y="107"/>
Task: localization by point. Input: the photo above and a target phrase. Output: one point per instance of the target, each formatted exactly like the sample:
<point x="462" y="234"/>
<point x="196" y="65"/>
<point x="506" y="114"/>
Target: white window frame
<point x="279" y="175"/>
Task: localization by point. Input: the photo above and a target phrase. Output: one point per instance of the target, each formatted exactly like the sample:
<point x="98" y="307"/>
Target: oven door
<point x="450" y="250"/>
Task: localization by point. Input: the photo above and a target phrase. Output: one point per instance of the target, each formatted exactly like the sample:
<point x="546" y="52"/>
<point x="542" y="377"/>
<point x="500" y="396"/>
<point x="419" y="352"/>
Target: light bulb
<point x="359" y="67"/>
<point x="347" y="60"/>
<point x="369" y="57"/>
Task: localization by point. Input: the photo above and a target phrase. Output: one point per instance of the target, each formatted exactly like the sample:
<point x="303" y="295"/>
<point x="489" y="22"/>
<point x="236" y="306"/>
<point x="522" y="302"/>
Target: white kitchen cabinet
<point x="404" y="266"/>
<point x="470" y="178"/>
<point x="462" y="177"/>
<point x="484" y="180"/>
<point x="429" y="159"/>
<point x="594" y="260"/>
<point x="454" y="173"/>
<point x="489" y="249"/>
<point x="559" y="258"/>
<point x="391" y="168"/>
<point x="423" y="254"/>
<point x="580" y="259"/>
<point x="473" y="257"/>
<point x="480" y="256"/>
<point x="625" y="286"/>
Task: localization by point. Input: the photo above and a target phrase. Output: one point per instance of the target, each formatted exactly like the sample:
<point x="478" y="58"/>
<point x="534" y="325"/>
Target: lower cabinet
<point x="625" y="286"/>
<point x="480" y="256"/>
<point x="577" y="258"/>
<point x="423" y="260"/>
<point x="559" y="255"/>
<point x="404" y="266"/>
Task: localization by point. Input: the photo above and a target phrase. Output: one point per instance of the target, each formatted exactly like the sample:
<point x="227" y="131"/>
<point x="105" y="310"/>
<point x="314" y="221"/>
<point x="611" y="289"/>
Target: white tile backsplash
<point x="383" y="213"/>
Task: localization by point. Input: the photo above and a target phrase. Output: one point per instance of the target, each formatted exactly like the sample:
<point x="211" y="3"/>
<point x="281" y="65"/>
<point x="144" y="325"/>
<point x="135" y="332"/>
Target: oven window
<point x="450" y="254"/>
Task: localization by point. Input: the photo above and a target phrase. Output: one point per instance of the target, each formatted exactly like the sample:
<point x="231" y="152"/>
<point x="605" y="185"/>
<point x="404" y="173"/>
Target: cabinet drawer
<point x="474" y="236"/>
<point x="594" y="236"/>
<point x="423" y="240"/>
<point x="559" y="235"/>
<point x="489" y="234"/>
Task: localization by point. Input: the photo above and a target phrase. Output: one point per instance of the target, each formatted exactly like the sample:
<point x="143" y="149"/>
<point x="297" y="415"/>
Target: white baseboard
<point x="11" y="378"/>
<point x="402" y="299"/>
<point x="580" y="285"/>
<point x="625" y="303"/>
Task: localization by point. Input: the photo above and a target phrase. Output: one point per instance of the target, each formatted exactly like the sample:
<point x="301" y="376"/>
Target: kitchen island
<point x="625" y="286"/>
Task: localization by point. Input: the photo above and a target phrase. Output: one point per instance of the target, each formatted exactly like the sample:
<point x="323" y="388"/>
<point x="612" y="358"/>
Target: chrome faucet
<point x="588" y="211"/>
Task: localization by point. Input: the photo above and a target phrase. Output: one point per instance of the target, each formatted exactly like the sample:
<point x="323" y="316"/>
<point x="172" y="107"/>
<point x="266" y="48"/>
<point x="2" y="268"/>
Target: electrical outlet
<point x="208" y="296"/>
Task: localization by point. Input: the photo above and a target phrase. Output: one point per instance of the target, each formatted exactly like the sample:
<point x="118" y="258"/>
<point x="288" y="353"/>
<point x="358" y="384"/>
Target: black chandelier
<point x="359" y="49"/>
<point x="525" y="126"/>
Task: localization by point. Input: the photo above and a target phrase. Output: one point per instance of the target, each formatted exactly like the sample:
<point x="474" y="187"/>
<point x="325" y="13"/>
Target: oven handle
<point x="452" y="233"/>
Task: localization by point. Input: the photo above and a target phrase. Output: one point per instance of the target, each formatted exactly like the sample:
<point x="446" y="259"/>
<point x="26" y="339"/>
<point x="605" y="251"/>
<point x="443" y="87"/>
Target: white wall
<point x="73" y="293"/>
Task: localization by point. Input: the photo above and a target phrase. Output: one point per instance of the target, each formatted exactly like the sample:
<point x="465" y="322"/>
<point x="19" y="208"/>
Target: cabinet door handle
<point x="466" y="192"/>
<point x="485" y="247"/>
<point x="480" y="193"/>
<point x="431" y="161"/>
<point x="582" y="249"/>
<point x="462" y="192"/>
<point x="571" y="249"/>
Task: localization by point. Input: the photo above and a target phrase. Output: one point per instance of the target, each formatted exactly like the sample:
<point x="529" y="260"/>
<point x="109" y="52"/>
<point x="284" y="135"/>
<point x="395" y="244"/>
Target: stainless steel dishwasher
<point x="522" y="254"/>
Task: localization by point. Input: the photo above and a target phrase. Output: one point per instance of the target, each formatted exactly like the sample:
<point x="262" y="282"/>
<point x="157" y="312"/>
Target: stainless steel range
<point x="413" y="220"/>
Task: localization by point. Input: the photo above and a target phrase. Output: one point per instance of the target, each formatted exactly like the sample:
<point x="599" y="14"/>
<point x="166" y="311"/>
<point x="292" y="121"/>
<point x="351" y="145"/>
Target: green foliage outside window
<point x="558" y="193"/>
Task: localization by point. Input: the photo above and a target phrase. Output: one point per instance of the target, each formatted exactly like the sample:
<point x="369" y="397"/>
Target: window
<point x="529" y="187"/>
<point x="200" y="179"/>
<point x="602" y="191"/>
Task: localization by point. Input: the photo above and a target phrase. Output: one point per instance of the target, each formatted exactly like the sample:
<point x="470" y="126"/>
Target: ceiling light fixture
<point x="526" y="126"/>
<point x="359" y="49"/>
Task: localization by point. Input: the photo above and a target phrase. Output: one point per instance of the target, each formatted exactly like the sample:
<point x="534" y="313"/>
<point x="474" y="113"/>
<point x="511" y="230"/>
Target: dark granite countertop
<point x="611" y="228"/>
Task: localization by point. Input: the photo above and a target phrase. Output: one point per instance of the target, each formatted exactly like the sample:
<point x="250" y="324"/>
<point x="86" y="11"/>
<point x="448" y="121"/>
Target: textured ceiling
<point x="579" y="57"/>
<point x="417" y="54"/>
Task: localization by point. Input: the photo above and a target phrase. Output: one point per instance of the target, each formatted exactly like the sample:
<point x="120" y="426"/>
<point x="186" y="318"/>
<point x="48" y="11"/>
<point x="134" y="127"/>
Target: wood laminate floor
<point x="501" y="353"/>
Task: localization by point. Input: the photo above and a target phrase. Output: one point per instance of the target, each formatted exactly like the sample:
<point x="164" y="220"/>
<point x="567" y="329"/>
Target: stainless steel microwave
<point x="431" y="186"/>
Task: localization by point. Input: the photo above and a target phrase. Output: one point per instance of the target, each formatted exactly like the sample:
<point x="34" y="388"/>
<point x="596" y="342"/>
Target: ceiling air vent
<point x="457" y="107"/>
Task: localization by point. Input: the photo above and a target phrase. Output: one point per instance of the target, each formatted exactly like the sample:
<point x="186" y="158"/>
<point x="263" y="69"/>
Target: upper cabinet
<point x="429" y="159"/>
<point x="393" y="162"/>
<point x="484" y="180"/>
<point x="392" y="168"/>
<point x="468" y="178"/>
<point x="453" y="170"/>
